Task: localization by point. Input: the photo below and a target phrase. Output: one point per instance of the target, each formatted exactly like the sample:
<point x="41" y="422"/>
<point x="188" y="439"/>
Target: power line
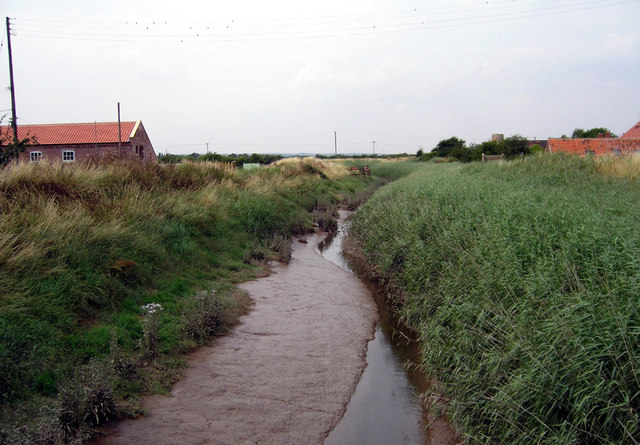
<point x="305" y="28"/>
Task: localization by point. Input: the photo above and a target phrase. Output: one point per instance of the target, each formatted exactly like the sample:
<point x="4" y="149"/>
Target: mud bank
<point x="285" y="374"/>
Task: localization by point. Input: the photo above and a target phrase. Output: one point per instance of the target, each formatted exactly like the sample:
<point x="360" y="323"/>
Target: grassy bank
<point x="522" y="280"/>
<point x="109" y="272"/>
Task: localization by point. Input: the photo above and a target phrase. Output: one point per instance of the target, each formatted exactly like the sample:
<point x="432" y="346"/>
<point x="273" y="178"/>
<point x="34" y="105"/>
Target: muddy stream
<point x="287" y="372"/>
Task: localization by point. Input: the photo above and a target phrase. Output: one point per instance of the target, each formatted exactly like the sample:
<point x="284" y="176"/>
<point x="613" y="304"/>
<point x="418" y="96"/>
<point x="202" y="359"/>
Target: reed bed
<point x="522" y="281"/>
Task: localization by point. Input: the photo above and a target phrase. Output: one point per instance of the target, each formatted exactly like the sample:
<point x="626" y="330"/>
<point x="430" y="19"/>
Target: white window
<point x="68" y="156"/>
<point x="34" y="156"/>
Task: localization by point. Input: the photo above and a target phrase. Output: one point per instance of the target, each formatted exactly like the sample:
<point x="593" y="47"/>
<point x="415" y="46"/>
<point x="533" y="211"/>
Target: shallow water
<point x="283" y="375"/>
<point x="385" y="407"/>
<point x="287" y="372"/>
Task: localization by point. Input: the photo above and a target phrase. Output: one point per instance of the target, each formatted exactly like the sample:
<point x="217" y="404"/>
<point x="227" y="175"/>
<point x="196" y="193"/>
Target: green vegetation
<point x="592" y="133"/>
<point x="457" y="149"/>
<point x="522" y="281"/>
<point x="108" y="272"/>
<point x="238" y="160"/>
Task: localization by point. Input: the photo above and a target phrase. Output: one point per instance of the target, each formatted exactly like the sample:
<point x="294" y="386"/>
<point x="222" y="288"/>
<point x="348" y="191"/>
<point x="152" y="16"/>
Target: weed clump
<point x="325" y="216"/>
<point x="282" y="246"/>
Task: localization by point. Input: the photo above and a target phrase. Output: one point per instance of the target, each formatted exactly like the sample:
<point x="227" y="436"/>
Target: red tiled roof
<point x="598" y="146"/>
<point x="90" y="133"/>
<point x="634" y="133"/>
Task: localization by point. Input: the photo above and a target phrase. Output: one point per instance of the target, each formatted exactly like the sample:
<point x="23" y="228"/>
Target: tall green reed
<point x="521" y="280"/>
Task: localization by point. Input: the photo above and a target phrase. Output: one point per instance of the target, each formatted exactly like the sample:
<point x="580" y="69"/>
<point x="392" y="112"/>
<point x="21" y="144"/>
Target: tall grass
<point x="84" y="248"/>
<point x="522" y="280"/>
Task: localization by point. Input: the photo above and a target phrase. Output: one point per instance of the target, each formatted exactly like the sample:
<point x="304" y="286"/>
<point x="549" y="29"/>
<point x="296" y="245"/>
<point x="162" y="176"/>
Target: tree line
<point x="241" y="159"/>
<point x="455" y="148"/>
<point x="511" y="147"/>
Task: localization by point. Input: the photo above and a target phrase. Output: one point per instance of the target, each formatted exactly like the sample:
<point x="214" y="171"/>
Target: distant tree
<point x="486" y="147"/>
<point x="491" y="148"/>
<point x="592" y="133"/>
<point x="10" y="149"/>
<point x="447" y="147"/>
<point x="511" y="147"/>
<point x="420" y="153"/>
<point x="168" y="158"/>
<point x="515" y="145"/>
<point x="535" y="148"/>
<point x="213" y="157"/>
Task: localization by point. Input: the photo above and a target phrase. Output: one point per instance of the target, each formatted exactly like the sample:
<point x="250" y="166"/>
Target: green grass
<point x="522" y="280"/>
<point x="84" y="247"/>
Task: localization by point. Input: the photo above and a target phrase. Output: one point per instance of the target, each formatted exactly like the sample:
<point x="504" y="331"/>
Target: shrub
<point x="208" y="313"/>
<point x="87" y="400"/>
<point x="150" y="328"/>
<point x="325" y="215"/>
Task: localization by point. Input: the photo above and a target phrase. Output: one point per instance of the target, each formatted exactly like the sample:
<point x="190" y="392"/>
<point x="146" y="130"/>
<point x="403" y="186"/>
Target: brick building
<point x="78" y="142"/>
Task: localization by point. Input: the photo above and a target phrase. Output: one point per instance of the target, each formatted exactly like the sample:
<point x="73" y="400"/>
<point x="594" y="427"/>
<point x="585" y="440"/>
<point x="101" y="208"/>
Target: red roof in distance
<point x="633" y="133"/>
<point x="595" y="146"/>
<point x="86" y="133"/>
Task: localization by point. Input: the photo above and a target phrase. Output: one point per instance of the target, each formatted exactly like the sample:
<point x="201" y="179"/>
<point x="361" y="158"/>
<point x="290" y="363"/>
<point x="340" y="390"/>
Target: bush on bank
<point x="522" y="280"/>
<point x="108" y="272"/>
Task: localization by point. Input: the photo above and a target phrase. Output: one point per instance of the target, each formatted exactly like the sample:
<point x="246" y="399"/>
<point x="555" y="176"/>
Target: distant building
<point x="79" y="142"/>
<point x="633" y="133"/>
<point x="628" y="143"/>
<point x="594" y="146"/>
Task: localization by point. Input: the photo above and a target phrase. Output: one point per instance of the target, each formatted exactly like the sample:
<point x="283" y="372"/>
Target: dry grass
<point x="296" y="166"/>
<point x="620" y="166"/>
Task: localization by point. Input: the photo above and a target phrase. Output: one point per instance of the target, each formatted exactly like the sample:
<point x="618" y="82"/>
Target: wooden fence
<point x="492" y="158"/>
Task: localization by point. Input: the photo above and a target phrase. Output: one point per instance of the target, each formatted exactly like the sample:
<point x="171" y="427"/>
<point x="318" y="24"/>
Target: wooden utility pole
<point x="119" y="133"/>
<point x="335" y="141"/>
<point x="14" y="119"/>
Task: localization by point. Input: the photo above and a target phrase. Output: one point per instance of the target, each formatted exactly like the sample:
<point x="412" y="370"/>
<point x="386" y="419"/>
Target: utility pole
<point x="207" y="147"/>
<point x="14" y="119"/>
<point x="374" y="146"/>
<point x="335" y="141"/>
<point x="119" y="133"/>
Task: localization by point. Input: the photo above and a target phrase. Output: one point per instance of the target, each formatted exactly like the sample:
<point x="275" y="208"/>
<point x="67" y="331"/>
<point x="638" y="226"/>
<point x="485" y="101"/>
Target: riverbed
<point x="319" y="359"/>
<point x="284" y="374"/>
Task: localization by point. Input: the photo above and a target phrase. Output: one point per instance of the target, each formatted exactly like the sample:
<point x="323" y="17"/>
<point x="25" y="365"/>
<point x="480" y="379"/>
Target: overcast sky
<point x="281" y="76"/>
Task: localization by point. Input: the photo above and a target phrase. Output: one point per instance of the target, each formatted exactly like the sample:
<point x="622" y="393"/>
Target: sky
<point x="383" y="76"/>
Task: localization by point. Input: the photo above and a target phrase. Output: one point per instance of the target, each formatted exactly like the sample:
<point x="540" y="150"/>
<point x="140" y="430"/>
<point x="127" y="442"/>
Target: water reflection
<point x="385" y="407"/>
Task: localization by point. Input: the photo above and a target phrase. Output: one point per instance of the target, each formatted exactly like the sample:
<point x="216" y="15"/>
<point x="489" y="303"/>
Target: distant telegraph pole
<point x="14" y="119"/>
<point x="119" y="133"/>
<point x="374" y="146"/>
<point x="335" y="141"/>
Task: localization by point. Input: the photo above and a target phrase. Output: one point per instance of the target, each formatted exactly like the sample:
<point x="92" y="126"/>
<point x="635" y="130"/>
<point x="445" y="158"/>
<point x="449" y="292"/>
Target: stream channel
<point x="385" y="407"/>
<point x="295" y="369"/>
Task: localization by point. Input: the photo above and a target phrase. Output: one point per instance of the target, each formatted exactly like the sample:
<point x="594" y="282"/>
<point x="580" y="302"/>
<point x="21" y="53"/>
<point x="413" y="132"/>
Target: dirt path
<point x="284" y="375"/>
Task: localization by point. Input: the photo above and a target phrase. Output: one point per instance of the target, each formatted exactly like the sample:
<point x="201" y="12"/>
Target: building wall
<point x="141" y="145"/>
<point x="82" y="152"/>
<point x="138" y="147"/>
